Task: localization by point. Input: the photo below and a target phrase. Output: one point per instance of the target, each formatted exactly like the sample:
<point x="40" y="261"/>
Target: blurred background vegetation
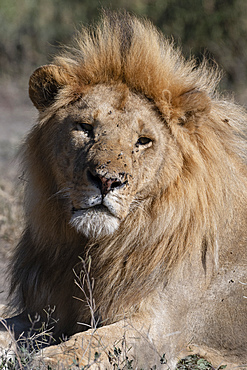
<point x="32" y="30"/>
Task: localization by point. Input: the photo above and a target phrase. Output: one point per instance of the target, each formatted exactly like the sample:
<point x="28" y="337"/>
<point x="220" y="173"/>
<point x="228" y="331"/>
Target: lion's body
<point x="137" y="163"/>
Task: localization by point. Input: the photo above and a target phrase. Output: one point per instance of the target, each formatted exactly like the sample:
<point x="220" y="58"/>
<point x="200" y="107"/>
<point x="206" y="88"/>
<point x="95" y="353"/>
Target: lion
<point x="136" y="167"/>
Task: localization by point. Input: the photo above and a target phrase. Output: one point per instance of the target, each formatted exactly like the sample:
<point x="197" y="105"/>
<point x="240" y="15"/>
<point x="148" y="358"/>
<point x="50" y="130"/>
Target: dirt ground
<point x="16" y="118"/>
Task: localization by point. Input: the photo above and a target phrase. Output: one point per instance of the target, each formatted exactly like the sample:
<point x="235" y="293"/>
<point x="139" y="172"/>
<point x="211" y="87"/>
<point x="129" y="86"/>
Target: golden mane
<point x="184" y="217"/>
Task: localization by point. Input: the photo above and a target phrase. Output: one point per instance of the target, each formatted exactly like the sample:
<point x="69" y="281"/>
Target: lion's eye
<point x="144" y="141"/>
<point x="86" y="127"/>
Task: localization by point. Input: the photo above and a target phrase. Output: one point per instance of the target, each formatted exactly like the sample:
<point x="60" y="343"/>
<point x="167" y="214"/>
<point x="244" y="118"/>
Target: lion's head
<point x="109" y="156"/>
<point x="129" y="161"/>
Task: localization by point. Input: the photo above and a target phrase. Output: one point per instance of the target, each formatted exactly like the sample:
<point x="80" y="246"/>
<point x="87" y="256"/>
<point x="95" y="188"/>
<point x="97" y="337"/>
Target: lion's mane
<point x="150" y="242"/>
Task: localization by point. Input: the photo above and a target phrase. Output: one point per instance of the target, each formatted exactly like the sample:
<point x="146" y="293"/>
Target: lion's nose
<point x="104" y="183"/>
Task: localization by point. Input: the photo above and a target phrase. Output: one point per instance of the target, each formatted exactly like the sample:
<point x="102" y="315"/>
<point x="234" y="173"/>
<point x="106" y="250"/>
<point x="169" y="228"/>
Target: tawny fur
<point x="205" y="174"/>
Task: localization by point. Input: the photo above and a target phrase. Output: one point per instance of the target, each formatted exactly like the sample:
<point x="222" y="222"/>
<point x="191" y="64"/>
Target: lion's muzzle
<point x="105" y="183"/>
<point x="102" y="206"/>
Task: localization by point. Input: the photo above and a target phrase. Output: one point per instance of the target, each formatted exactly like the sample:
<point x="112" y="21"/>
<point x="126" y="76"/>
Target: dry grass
<point x="11" y="215"/>
<point x="11" y="225"/>
<point x="17" y="116"/>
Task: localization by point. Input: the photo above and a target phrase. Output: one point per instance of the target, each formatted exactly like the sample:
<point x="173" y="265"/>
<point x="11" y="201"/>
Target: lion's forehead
<point x="116" y="108"/>
<point x="118" y="97"/>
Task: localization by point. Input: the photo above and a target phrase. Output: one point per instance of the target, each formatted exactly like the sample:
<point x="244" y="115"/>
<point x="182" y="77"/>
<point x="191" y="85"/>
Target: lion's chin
<point x="94" y="222"/>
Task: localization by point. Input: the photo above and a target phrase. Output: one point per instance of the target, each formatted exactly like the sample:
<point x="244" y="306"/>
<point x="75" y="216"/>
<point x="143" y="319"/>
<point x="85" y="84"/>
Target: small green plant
<point x="6" y="363"/>
<point x="21" y="352"/>
<point x="118" y="357"/>
<point x="197" y="363"/>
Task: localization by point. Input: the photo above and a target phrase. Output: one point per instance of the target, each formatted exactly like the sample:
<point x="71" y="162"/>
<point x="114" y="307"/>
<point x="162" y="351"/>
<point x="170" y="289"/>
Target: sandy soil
<point x="16" y="118"/>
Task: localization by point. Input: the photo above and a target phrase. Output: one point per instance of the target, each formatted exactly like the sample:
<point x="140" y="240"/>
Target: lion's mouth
<point x="109" y="205"/>
<point x="98" y="207"/>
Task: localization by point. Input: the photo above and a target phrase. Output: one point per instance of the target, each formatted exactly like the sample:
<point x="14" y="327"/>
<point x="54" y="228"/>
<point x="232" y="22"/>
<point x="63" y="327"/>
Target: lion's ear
<point x="191" y="106"/>
<point x="45" y="83"/>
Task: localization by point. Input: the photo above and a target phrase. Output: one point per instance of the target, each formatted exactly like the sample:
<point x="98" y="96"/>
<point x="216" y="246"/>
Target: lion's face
<point x="109" y="150"/>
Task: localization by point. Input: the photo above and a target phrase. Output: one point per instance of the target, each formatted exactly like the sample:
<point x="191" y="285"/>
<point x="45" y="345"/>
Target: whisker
<point x="64" y="193"/>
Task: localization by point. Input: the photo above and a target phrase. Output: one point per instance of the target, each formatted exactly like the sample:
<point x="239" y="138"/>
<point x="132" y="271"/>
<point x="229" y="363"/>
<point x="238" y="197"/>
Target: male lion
<point x="136" y="166"/>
